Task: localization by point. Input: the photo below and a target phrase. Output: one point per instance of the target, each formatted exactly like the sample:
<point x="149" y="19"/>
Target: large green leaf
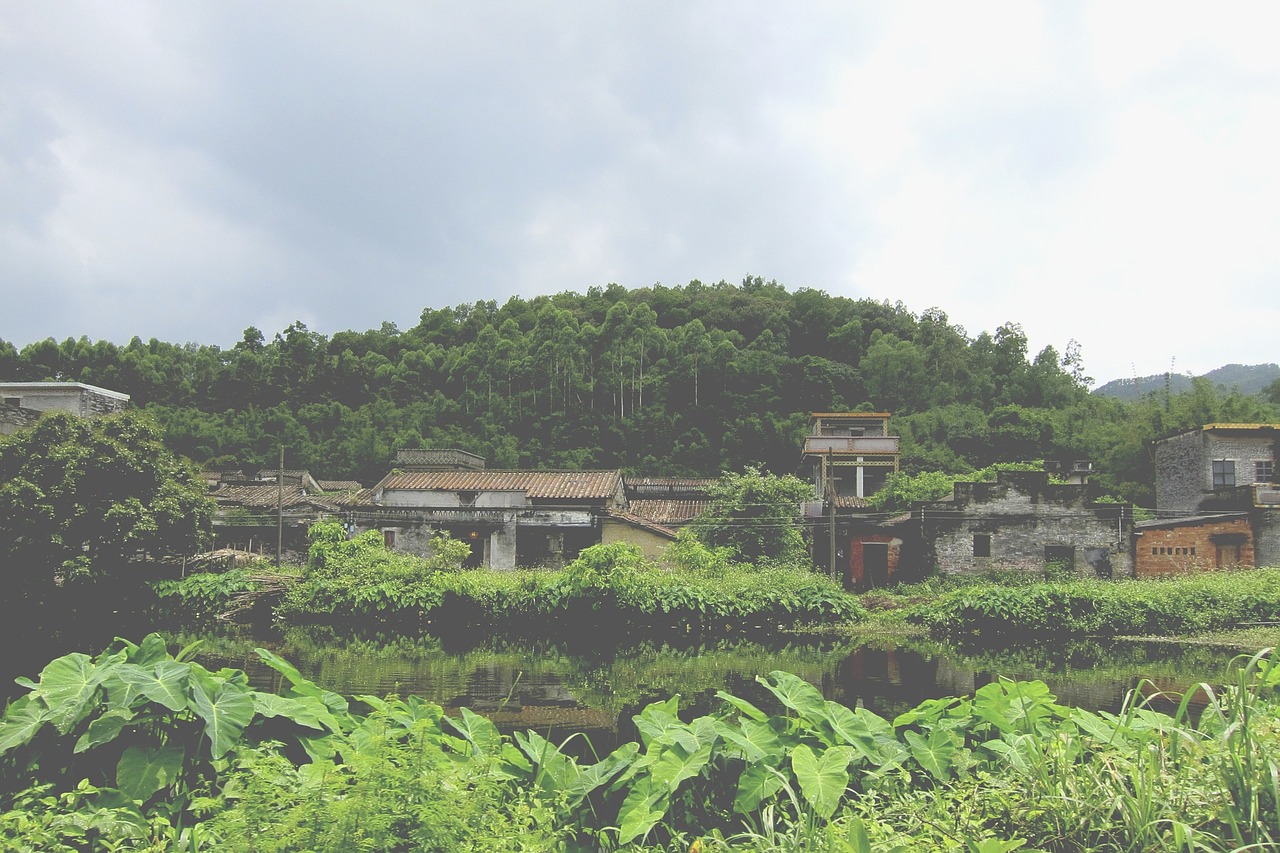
<point x="744" y="707"/>
<point x="22" y="719"/>
<point x="797" y="694"/>
<point x="601" y="772"/>
<point x="144" y="770"/>
<point x="658" y="727"/>
<point x="640" y="812"/>
<point x="306" y="711"/>
<point x="937" y="753"/>
<point x="225" y="706"/>
<point x="850" y="729"/>
<point x="823" y="779"/>
<point x="756" y="740"/>
<point x="757" y="783"/>
<point x="675" y="764"/>
<point x="478" y="731"/>
<point x="69" y="685"/>
<point x="104" y="729"/>
<point x="164" y="682"/>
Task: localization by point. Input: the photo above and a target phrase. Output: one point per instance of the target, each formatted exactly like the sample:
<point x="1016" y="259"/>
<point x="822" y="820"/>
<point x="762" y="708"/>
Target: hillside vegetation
<point x="687" y="380"/>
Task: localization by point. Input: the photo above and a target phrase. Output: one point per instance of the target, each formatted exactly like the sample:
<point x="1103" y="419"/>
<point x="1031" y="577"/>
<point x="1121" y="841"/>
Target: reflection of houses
<point x="510" y="518"/>
<point x="1217" y="501"/>
<point x="25" y="402"/>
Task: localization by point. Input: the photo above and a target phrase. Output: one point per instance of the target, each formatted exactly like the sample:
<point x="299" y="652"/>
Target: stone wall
<point x="1266" y="531"/>
<point x="1026" y="523"/>
<point x="1181" y="478"/>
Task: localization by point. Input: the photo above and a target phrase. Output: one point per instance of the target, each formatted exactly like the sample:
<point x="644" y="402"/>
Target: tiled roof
<point x="668" y="512"/>
<point x="851" y="502"/>
<point x="268" y="496"/>
<point x="677" y="484"/>
<point x="581" y="485"/>
<point x="632" y="518"/>
<point x="340" y="485"/>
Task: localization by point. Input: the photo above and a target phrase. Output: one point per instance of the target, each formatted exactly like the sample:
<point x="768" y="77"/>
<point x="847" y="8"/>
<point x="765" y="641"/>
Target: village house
<point x="509" y="518"/>
<point x="253" y="511"/>
<point x="1217" y="501"/>
<point x="671" y="502"/>
<point x="1023" y="522"/>
<point x="22" y="403"/>
<point x="1020" y="522"/>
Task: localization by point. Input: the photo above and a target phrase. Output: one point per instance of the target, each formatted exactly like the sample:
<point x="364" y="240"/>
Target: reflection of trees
<point x="560" y="686"/>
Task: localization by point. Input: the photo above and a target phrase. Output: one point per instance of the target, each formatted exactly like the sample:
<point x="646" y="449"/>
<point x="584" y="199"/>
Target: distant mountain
<point x="1248" y="378"/>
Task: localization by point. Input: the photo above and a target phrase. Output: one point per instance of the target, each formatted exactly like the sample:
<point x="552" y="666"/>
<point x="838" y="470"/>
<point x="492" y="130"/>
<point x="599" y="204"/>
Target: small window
<point x="13" y="401"/>
<point x="1264" y="471"/>
<point x="389" y="538"/>
<point x="1224" y="474"/>
<point x="1155" y="552"/>
<point x="1193" y="551"/>
<point x="982" y="544"/>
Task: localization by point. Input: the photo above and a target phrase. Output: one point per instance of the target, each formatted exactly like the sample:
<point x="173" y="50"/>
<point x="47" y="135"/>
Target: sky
<point x="1104" y="172"/>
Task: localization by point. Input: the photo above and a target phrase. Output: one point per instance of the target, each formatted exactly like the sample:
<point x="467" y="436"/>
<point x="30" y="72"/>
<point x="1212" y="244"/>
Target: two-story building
<point x="1217" y="501"/>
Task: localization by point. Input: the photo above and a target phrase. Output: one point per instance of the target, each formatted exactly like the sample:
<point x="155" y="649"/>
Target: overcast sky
<point x="1108" y="172"/>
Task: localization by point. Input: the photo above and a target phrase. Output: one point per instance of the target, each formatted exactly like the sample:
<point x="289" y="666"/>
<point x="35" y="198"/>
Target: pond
<point x="594" y="684"/>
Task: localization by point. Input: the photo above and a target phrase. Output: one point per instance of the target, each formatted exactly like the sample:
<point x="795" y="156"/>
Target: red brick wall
<point x="1188" y="548"/>
<point x="857" y="569"/>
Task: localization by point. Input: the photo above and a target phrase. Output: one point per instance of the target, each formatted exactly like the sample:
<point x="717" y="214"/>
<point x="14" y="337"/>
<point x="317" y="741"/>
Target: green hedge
<point x="1185" y="605"/>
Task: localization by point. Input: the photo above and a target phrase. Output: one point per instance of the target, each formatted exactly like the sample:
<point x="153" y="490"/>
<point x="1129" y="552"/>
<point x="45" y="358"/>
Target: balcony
<point x="851" y="445"/>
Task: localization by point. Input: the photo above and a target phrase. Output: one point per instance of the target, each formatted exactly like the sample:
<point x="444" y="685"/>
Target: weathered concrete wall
<point x="1024" y="516"/>
<point x="650" y="544"/>
<point x="1181" y="479"/>
<point x="1266" y="543"/>
<point x="76" y="398"/>
<point x="1191" y="546"/>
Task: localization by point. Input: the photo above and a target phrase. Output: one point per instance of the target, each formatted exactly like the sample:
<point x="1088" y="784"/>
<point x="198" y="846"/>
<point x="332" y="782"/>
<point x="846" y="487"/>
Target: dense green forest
<point x="686" y="380"/>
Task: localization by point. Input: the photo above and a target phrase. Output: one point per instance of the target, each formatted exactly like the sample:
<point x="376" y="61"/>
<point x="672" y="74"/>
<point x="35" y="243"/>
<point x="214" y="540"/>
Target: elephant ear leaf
<point x="22" y="719"/>
<point x="144" y="770"/>
<point x="226" y="708"/>
<point x="164" y="683"/>
<point x="823" y="779"/>
<point x="68" y="686"/>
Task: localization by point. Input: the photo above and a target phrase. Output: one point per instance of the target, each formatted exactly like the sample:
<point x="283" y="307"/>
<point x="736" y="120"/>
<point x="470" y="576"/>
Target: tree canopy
<point x="80" y="498"/>
<point x="689" y="380"/>
<point x="756" y="516"/>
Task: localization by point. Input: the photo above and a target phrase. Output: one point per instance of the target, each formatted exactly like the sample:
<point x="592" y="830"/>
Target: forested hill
<point x="1246" y="378"/>
<point x="693" y="379"/>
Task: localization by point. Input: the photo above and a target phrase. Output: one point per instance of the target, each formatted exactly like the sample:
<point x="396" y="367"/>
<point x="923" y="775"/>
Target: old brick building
<point x="1217" y="502"/>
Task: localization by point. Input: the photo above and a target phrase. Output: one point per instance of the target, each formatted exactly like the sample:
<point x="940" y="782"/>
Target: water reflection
<point x="595" y="684"/>
<point x="568" y="685"/>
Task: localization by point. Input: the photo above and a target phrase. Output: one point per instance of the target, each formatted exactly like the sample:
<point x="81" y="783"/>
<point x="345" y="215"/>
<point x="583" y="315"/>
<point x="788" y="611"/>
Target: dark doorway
<point x="875" y="564"/>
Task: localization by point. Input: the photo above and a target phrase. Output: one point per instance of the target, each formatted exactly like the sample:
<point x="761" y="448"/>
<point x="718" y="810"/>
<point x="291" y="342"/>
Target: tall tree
<point x="80" y="499"/>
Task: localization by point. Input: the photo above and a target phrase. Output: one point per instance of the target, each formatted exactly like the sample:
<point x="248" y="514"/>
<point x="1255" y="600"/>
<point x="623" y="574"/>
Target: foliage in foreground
<point x="137" y="750"/>
<point x="607" y="585"/>
<point x="1184" y="605"/>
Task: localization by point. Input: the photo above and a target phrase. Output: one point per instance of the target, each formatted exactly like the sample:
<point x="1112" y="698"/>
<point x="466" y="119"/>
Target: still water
<point x="594" y="684"/>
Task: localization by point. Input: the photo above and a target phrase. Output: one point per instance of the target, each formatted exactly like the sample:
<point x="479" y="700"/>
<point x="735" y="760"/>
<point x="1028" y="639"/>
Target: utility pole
<point x="830" y="495"/>
<point x="280" y="509"/>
